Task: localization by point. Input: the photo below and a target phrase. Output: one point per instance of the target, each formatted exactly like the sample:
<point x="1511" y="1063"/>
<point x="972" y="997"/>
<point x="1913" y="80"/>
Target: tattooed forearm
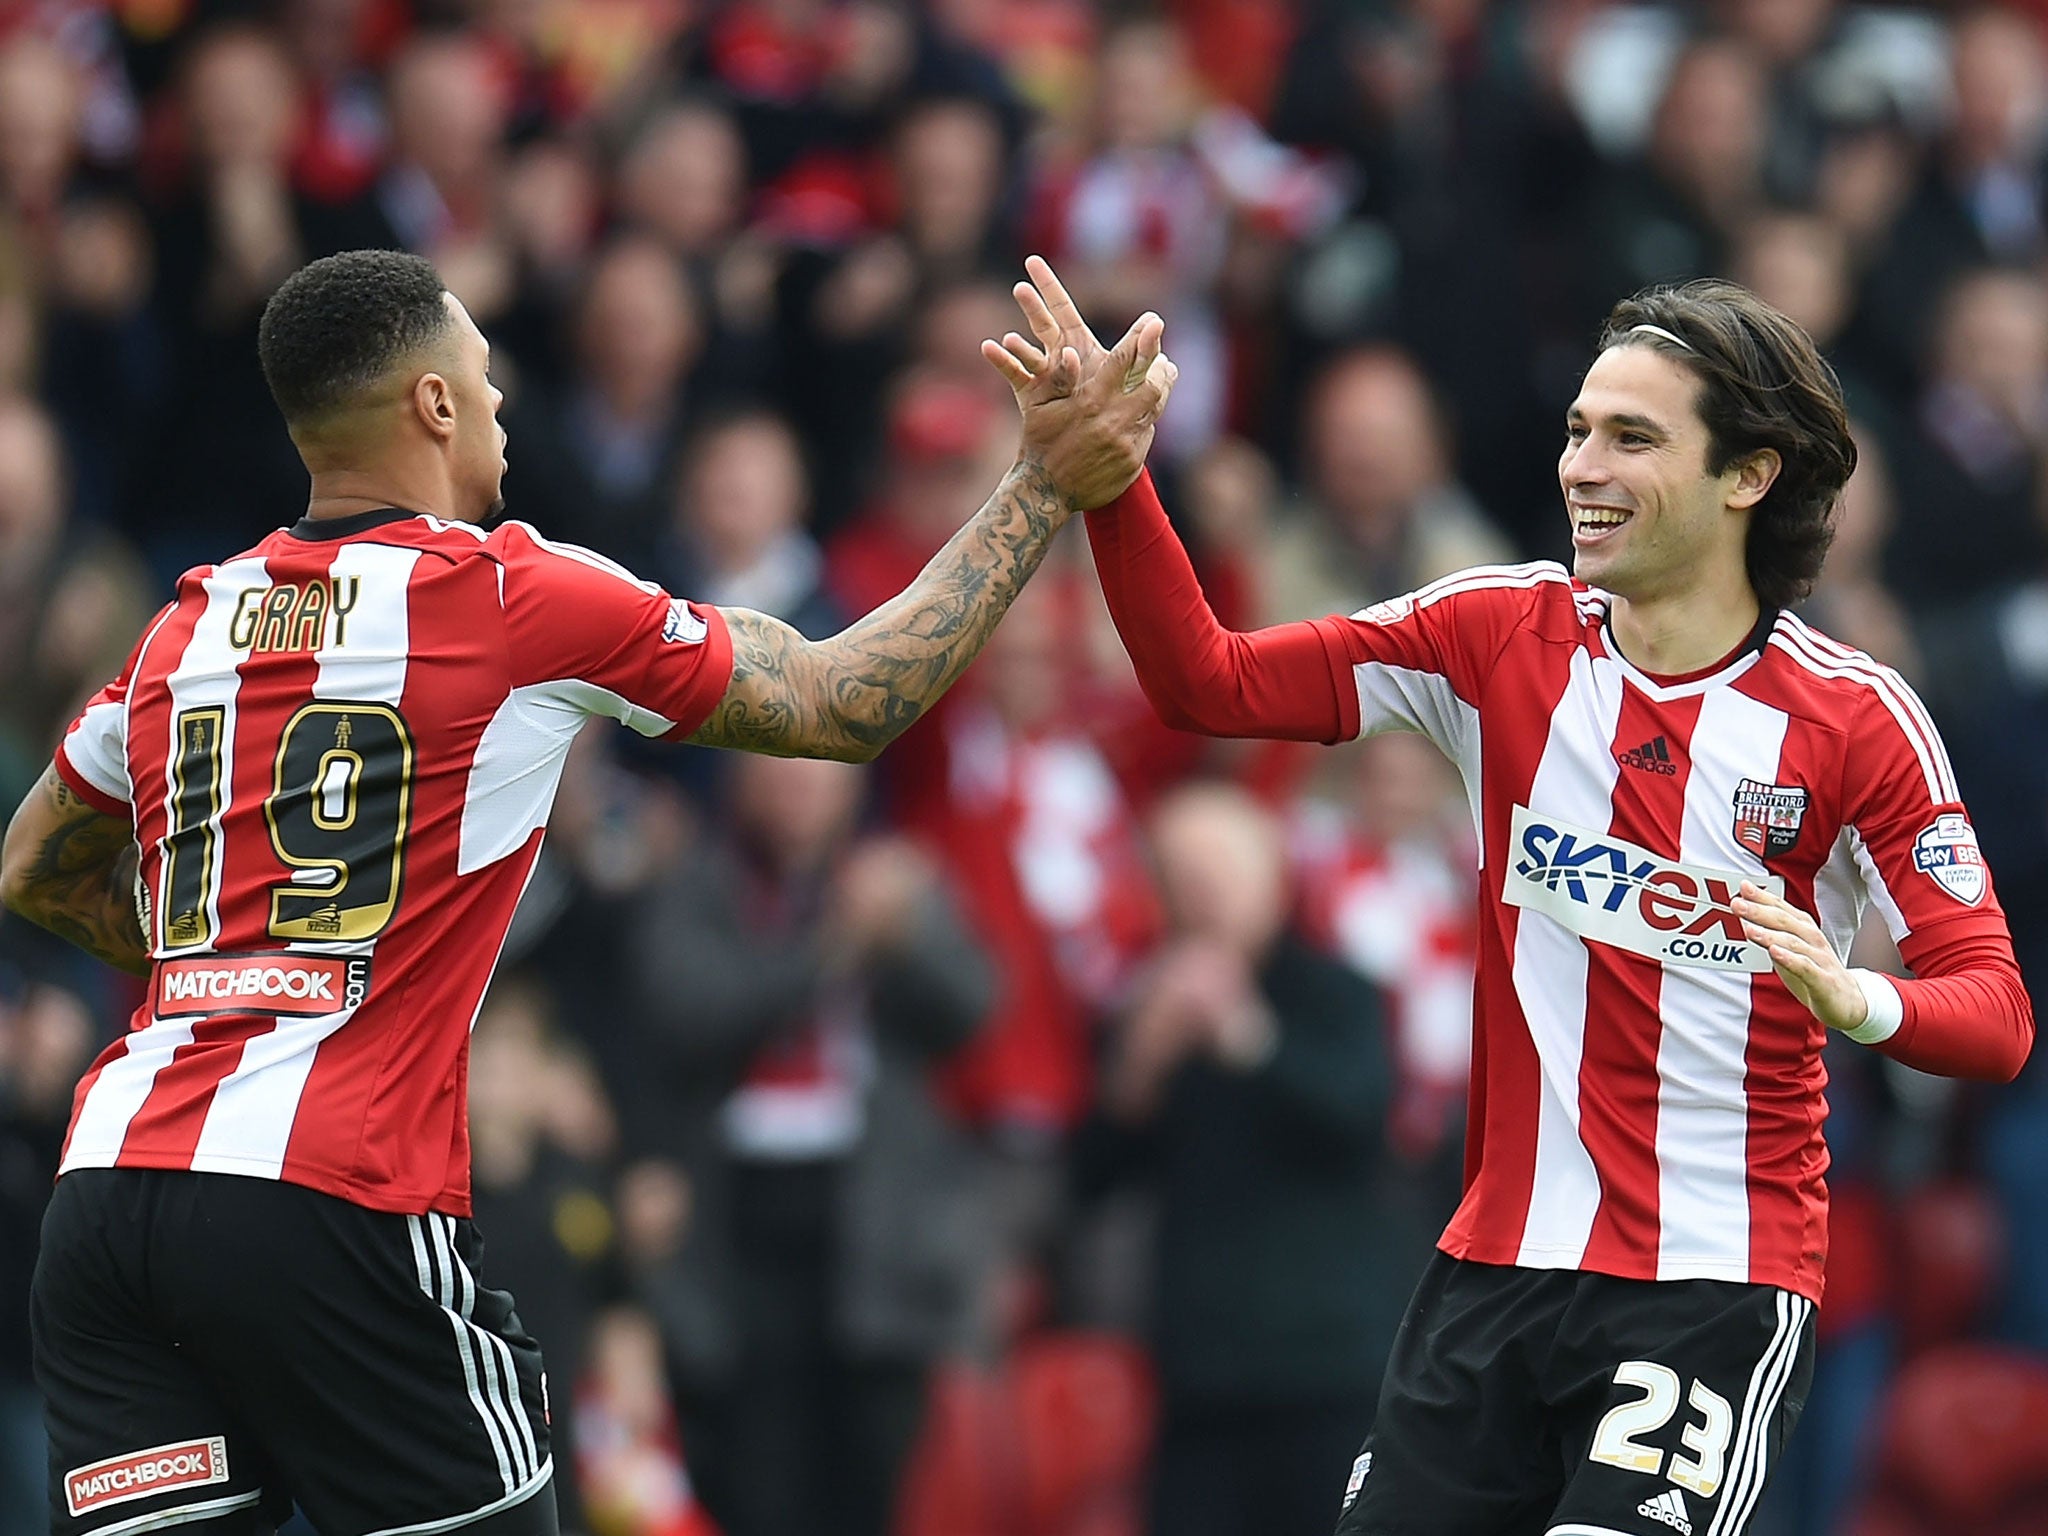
<point x="851" y="695"/>
<point x="71" y="868"/>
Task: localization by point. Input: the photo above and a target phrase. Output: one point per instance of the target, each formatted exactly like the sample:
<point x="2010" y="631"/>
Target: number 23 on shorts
<point x="1618" y="1442"/>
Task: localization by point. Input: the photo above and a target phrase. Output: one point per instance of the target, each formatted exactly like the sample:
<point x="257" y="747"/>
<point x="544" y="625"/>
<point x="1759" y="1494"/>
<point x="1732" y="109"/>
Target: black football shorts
<point x="212" y="1349"/>
<point x="1540" y="1402"/>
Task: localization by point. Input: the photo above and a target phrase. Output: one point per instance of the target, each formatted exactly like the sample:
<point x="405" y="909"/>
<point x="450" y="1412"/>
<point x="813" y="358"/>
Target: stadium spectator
<point x="46" y="1038"/>
<point x="71" y="597"/>
<point x="1977" y="199"/>
<point x="738" y="524"/>
<point x="1675" y="215"/>
<point x="1971" y="477"/>
<point x="1408" y="179"/>
<point x="602" y="447"/>
<point x="1139" y="221"/>
<point x="231" y="231"/>
<point x="1248" y="1082"/>
<point x="1384" y="512"/>
<point x="796" y="983"/>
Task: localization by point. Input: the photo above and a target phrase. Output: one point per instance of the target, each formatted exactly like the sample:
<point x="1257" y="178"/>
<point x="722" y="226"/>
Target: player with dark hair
<point x="1685" y="799"/>
<point x="335" y="755"/>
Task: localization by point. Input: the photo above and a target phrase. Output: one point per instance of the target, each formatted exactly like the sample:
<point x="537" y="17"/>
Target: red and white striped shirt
<point x="339" y="751"/>
<point x="1647" y="1095"/>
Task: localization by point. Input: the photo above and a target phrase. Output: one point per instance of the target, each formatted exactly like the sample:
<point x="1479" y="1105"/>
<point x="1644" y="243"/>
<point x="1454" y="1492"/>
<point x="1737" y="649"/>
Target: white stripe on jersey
<point x="1880" y="893"/>
<point x="117" y="1094"/>
<point x="1574" y="782"/>
<point x="1840" y="893"/>
<point x="1892" y="692"/>
<point x="518" y="763"/>
<point x="1481" y="577"/>
<point x="204" y="676"/>
<point x="1702" y="1105"/>
<point x="249" y="1122"/>
<point x="98" y="745"/>
<point x="1394" y="698"/>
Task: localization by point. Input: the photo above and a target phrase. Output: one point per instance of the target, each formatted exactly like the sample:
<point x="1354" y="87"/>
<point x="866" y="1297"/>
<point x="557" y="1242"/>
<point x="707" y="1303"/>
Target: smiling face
<point x="1647" y="517"/>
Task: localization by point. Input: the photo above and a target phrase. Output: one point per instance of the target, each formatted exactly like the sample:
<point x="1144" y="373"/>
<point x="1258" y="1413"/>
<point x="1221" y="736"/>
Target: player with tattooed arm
<point x="305" y="811"/>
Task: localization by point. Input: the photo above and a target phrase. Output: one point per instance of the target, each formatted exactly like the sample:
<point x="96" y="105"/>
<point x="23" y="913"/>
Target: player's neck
<point x="1684" y="632"/>
<point x="345" y="492"/>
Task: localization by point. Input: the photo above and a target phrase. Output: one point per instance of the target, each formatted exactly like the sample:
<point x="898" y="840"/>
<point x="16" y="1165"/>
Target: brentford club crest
<point x="1768" y="816"/>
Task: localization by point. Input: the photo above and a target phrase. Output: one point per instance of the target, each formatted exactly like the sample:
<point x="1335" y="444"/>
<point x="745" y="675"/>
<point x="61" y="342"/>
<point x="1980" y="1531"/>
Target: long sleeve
<point x="1965" y="1012"/>
<point x="1198" y="675"/>
<point x="1418" y="662"/>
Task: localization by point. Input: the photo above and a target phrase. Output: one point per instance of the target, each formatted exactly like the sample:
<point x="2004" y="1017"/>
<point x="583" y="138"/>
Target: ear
<point x="1754" y="477"/>
<point x="433" y="401"/>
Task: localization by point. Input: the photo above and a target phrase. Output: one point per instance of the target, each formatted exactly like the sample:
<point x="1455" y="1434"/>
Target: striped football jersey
<point x="339" y="751"/>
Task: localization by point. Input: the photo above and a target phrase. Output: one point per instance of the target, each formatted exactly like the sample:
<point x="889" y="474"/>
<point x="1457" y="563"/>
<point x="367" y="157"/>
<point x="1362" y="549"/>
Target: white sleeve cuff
<point x="1887" y="1008"/>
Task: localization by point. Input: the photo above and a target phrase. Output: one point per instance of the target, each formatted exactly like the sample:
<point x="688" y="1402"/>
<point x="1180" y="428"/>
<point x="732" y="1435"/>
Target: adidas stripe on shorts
<point x="1541" y="1402"/>
<point x="214" y="1348"/>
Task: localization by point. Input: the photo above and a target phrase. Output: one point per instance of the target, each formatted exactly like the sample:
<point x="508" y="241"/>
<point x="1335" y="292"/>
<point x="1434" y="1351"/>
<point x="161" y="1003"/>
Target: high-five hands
<point x="1805" y="961"/>
<point x="1089" y="414"/>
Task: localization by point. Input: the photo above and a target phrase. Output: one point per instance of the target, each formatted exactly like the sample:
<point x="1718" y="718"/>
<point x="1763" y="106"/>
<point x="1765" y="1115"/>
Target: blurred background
<point x="895" y="1149"/>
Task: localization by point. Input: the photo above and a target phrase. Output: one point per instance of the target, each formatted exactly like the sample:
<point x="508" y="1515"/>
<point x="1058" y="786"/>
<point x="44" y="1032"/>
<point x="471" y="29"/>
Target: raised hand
<point x="1088" y="414"/>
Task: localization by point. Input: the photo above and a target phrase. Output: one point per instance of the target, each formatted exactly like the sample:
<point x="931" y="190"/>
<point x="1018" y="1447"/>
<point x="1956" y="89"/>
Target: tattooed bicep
<point x="779" y="698"/>
<point x="71" y="867"/>
<point x="63" y="827"/>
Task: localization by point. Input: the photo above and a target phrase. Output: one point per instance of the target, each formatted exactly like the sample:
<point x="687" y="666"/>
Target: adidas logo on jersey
<point x="1669" y="1507"/>
<point x="1651" y="757"/>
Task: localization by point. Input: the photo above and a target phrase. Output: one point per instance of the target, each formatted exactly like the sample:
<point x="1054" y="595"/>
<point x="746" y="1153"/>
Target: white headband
<point x="1658" y="330"/>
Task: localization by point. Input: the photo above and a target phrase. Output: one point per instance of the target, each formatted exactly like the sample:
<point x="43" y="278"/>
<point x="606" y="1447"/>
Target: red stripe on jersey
<point x="1618" y="1083"/>
<point x="1502" y="1116"/>
<point x="368" y="1076"/>
<point x="165" y="1131"/>
<point x="1787" y="1078"/>
<point x="270" y="685"/>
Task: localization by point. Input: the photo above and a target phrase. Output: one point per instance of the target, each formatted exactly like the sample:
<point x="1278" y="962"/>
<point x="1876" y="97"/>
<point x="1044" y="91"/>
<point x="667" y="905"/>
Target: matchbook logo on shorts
<point x="683" y="625"/>
<point x="303" y="986"/>
<point x="1948" y="854"/>
<point x="138" y="1474"/>
<point x="1669" y="1507"/>
<point x="1606" y="888"/>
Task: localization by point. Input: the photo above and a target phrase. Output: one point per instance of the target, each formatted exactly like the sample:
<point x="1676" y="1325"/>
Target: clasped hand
<point x="1089" y="414"/>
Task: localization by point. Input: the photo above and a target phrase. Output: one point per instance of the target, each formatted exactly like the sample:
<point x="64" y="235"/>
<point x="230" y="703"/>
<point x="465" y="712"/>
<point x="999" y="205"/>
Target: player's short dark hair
<point x="339" y="324"/>
<point x="1763" y="384"/>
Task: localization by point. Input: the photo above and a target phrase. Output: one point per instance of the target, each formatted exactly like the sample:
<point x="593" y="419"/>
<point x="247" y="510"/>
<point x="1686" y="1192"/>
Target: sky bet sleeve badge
<point x="1947" y="852"/>
<point x="1767" y="816"/>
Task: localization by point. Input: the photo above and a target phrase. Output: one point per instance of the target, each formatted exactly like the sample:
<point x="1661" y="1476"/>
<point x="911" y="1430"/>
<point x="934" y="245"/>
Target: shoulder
<point x="1825" y="669"/>
<point x="1877" y="710"/>
<point x="1512" y="591"/>
<point x="522" y="547"/>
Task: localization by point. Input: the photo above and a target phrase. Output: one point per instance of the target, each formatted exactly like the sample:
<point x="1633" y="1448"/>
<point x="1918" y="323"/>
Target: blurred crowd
<point x="1039" y="1132"/>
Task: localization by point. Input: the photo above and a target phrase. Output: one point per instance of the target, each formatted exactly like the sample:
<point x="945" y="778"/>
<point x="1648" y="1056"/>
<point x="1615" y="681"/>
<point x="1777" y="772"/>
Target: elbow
<point x="857" y="749"/>
<point x="2015" y="1060"/>
<point x="15" y="892"/>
